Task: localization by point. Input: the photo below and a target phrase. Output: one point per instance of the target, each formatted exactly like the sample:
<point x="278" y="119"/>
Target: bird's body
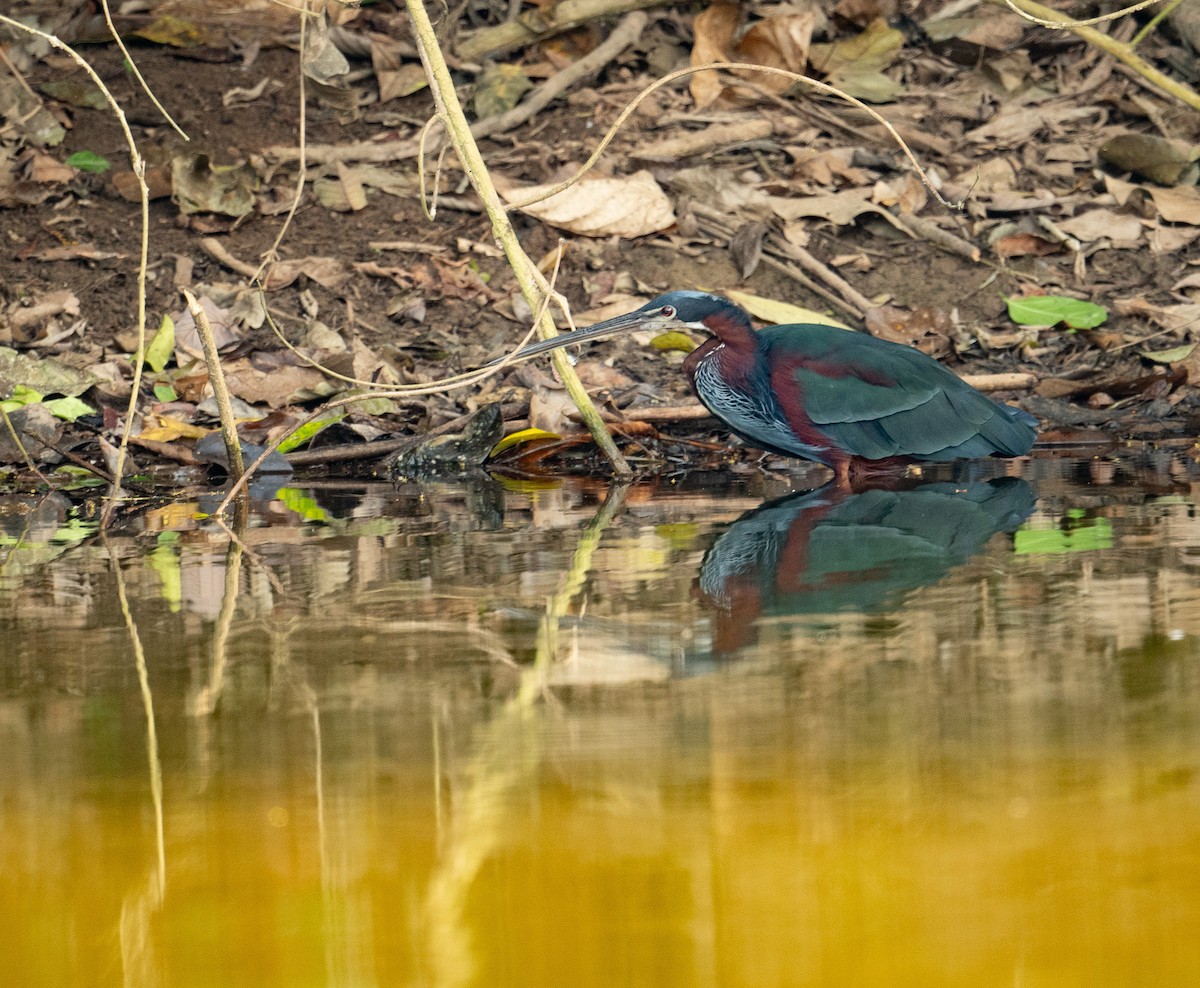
<point x="844" y="399"/>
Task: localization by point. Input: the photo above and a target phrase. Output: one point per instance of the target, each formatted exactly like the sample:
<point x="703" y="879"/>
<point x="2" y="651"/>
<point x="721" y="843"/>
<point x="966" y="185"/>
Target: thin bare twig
<point x="216" y="377"/>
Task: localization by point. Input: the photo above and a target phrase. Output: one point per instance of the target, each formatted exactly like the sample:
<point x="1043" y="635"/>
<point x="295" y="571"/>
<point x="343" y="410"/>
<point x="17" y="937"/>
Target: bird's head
<point x="673" y="310"/>
<point x="694" y="310"/>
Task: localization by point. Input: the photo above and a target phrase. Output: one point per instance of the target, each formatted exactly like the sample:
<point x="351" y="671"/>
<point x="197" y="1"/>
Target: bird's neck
<point x="736" y="357"/>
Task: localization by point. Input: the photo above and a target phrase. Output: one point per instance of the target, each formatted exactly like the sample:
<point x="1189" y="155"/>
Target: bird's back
<point x="874" y="399"/>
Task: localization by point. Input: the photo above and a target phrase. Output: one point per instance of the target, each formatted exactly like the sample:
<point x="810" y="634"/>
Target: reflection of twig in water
<point x="204" y="703"/>
<point x="137" y="959"/>
<point x="508" y="752"/>
<point x="560" y="603"/>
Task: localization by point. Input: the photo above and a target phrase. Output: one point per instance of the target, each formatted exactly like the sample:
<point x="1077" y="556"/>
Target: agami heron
<point x="850" y="401"/>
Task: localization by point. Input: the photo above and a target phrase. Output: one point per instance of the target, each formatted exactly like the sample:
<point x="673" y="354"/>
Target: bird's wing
<point x="877" y="402"/>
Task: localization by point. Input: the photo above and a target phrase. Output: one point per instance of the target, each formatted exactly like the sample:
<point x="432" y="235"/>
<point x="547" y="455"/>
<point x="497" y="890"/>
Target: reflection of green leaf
<point x="78" y="478"/>
<point x="306" y="432"/>
<point x="165" y="562"/>
<point x="1050" y="310"/>
<point x="302" y="504"/>
<point x="1043" y="537"/>
<point x="89" y="161"/>
<point x="75" y="529"/>
<point x="162" y="347"/>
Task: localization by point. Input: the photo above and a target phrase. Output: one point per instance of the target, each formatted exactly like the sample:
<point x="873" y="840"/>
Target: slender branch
<point x="527" y="275"/>
<point x="216" y="377"/>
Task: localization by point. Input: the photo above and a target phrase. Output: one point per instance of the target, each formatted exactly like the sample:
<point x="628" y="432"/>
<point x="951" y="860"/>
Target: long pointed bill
<point x="649" y="319"/>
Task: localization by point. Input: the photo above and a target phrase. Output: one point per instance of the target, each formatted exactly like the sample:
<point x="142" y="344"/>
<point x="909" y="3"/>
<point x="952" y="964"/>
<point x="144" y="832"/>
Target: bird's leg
<point x="841" y="472"/>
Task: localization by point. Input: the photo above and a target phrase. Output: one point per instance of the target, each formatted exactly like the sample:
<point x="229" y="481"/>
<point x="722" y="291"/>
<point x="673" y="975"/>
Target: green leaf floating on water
<point x="1050" y="310"/>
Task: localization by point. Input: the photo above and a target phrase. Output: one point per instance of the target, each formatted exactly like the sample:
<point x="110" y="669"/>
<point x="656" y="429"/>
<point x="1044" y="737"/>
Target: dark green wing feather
<point x="876" y="399"/>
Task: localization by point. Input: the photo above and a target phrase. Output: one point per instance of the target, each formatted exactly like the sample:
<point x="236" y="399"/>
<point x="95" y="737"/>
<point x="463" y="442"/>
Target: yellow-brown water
<point x="512" y="738"/>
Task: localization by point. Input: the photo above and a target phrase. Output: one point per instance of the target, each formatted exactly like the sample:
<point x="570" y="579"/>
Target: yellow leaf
<point x="168" y="429"/>
<point x="522" y="436"/>
<point x="780" y="313"/>
<point x="673" y="340"/>
<point x="173" y="31"/>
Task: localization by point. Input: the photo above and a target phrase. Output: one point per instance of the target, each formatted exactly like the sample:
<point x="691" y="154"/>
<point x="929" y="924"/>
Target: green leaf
<point x="21" y="396"/>
<point x="68" y="409"/>
<point x="164" y="393"/>
<point x="1050" y="310"/>
<point x="162" y="347"/>
<point x="306" y="432"/>
<point x="89" y="161"/>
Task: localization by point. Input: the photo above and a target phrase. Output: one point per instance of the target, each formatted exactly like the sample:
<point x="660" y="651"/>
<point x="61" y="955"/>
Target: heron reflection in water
<point x="827" y="551"/>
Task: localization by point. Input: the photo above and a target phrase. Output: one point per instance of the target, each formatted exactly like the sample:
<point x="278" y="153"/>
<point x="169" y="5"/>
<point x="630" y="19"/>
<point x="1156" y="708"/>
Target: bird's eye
<point x="668" y="312"/>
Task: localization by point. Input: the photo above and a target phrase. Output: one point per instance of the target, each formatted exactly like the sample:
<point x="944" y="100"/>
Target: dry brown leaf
<point x="720" y="189"/>
<point x="283" y="385"/>
<point x="1097" y="224"/>
<point x="187" y="338"/>
<point x="1169" y="239"/>
<point x="927" y="328"/>
<point x="551" y="410"/>
<point x="713" y="31"/>
<point x="1178" y="318"/>
<point x="827" y="167"/>
<point x="329" y="272"/>
<point x="838" y="207"/>
<point x="47" y="169"/>
<point x="630" y="206"/>
<point x="863" y="12"/>
<point x="780" y="41"/>
<point x="1024" y="245"/>
<point x="1178" y="205"/>
<point x="73" y="252"/>
<point x="1016" y="124"/>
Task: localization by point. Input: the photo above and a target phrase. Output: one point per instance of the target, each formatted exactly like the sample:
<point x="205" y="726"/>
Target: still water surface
<point x="568" y="736"/>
